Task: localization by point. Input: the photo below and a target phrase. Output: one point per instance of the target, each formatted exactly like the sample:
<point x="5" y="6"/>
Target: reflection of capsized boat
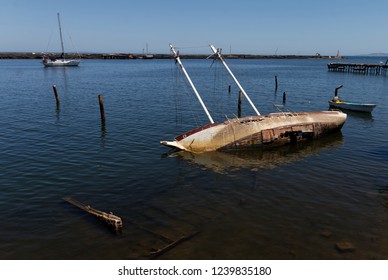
<point x="272" y="129"/>
<point x="224" y="161"/>
<point x="347" y="105"/>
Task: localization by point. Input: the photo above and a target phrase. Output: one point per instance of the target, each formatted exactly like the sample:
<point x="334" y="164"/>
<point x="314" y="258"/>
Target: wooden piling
<point x="239" y="104"/>
<point x="276" y="82"/>
<point x="284" y="97"/>
<point x="229" y="88"/>
<point x="102" y="111"/>
<point x="56" y="94"/>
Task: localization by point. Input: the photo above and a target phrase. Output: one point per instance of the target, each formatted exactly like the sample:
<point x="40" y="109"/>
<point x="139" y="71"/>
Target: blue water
<point x="286" y="203"/>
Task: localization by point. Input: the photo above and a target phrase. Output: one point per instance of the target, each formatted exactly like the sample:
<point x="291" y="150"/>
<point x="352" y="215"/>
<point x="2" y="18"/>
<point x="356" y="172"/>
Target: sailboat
<point x="259" y="130"/>
<point x="59" y="61"/>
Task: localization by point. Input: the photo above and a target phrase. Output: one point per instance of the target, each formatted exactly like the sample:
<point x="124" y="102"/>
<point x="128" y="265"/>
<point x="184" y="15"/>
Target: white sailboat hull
<point x="60" y="63"/>
<point x="272" y="129"/>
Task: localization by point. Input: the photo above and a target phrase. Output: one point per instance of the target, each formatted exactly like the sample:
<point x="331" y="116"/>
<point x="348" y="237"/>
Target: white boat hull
<point x="60" y="63"/>
<point x="361" y="107"/>
<point x="273" y="129"/>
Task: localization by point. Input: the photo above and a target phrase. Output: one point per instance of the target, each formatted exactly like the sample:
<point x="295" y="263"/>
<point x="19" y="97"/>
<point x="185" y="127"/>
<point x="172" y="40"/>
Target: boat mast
<point x="60" y="34"/>
<point x="178" y="60"/>
<point x="217" y="52"/>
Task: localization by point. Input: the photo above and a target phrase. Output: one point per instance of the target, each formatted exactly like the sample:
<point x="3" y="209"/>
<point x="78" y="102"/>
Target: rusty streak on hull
<point x="271" y="129"/>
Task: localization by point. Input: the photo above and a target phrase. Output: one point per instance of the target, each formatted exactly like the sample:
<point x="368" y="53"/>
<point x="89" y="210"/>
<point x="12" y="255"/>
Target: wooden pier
<point x="361" y="68"/>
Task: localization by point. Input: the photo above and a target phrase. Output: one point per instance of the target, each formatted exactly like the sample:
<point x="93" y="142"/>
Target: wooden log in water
<point x="108" y="218"/>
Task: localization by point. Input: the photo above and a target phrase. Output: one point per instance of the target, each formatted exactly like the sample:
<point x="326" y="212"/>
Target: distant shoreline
<point x="30" y="55"/>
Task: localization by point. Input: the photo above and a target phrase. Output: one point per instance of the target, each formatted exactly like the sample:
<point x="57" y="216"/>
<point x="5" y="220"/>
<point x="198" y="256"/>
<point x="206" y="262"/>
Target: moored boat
<point x="272" y="129"/>
<point x="353" y="106"/>
<point x="336" y="102"/>
<point x="59" y="61"/>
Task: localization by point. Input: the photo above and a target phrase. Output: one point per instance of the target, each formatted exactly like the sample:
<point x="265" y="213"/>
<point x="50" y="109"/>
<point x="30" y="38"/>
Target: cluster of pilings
<point x="361" y="68"/>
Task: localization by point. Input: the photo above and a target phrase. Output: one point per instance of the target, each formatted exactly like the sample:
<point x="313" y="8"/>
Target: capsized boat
<point x="336" y="102"/>
<point x="259" y="157"/>
<point x="59" y="61"/>
<point x="238" y="133"/>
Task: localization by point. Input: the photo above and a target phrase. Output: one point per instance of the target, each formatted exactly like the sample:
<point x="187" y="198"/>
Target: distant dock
<point x="361" y="68"/>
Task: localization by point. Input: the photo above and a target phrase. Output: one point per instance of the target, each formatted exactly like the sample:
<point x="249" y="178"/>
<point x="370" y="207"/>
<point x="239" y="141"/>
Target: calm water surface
<point x="289" y="203"/>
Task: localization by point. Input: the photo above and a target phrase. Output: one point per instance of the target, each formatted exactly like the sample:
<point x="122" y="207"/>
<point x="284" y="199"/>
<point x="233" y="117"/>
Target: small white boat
<point x="361" y="107"/>
<point x="239" y="133"/>
<point x="59" y="61"/>
<point x="336" y="102"/>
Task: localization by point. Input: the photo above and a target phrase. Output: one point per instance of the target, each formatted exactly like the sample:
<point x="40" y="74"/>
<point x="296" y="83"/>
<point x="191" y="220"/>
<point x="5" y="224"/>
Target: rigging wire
<point x="181" y="105"/>
<point x="72" y="45"/>
<point x="224" y="102"/>
<point x="220" y="101"/>
<point x="49" y="42"/>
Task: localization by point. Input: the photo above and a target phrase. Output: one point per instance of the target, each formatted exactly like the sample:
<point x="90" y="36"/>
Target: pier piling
<point x="56" y="94"/>
<point x="102" y="111"/>
<point x="276" y="82"/>
<point x="239" y="104"/>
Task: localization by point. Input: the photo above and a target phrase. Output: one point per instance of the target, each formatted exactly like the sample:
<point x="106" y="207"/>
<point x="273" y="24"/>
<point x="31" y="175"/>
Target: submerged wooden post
<point x="229" y="88"/>
<point x="108" y="218"/>
<point x="102" y="111"/>
<point x="284" y="97"/>
<point x="56" y="94"/>
<point x="239" y="104"/>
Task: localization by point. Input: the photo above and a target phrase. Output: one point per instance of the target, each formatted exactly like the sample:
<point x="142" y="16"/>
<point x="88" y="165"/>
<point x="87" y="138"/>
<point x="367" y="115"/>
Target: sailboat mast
<point x="178" y="60"/>
<point x="234" y="78"/>
<point x="60" y="34"/>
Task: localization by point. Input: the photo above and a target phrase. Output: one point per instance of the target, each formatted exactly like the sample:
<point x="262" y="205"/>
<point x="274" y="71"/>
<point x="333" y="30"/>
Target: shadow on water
<point x="254" y="159"/>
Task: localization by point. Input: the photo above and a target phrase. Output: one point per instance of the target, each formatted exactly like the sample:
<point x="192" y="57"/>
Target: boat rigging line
<point x="218" y="53"/>
<point x="178" y="60"/>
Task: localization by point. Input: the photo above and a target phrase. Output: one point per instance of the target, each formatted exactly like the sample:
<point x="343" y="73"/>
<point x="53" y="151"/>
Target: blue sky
<point x="256" y="27"/>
